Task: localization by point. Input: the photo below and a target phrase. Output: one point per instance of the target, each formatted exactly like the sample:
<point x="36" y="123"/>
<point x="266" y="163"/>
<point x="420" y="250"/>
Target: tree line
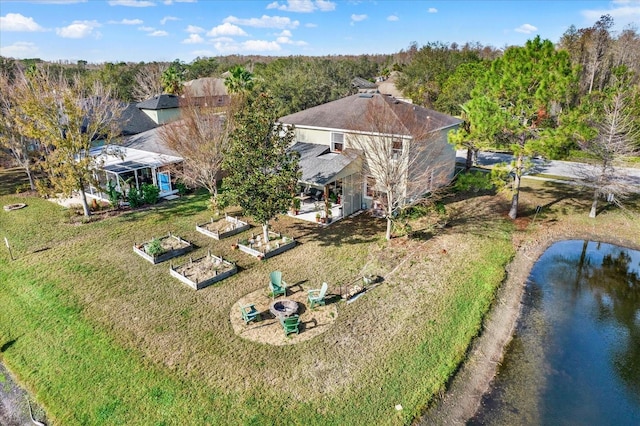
<point x="579" y="95"/>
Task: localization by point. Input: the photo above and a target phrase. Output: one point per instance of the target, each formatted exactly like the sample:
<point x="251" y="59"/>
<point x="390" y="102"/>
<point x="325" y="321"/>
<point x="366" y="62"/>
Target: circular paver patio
<point x="312" y="321"/>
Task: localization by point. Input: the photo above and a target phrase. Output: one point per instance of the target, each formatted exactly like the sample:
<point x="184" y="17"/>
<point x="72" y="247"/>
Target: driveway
<point x="553" y="168"/>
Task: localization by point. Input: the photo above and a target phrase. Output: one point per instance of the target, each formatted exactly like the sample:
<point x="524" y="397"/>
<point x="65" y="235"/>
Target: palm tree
<point x="240" y="81"/>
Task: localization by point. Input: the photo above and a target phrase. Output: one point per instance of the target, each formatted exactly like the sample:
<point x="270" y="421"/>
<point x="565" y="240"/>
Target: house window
<point x="396" y="148"/>
<point x="369" y="186"/>
<point x="337" y="141"/>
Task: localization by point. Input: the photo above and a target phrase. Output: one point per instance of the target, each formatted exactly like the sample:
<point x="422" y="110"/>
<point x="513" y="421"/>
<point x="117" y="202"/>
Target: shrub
<point x="473" y="181"/>
<point x="150" y="193"/>
<point x="154" y="247"/>
<point x="134" y="198"/>
<point x="44" y="187"/>
<point x="23" y="187"/>
<point x="181" y="187"/>
<point x="113" y="194"/>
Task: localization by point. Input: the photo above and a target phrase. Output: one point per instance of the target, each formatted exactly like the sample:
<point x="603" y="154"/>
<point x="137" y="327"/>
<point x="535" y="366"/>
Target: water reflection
<point x="575" y="357"/>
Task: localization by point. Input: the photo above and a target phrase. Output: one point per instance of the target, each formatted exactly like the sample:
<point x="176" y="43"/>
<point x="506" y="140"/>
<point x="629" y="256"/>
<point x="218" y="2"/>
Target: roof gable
<point x="163" y="101"/>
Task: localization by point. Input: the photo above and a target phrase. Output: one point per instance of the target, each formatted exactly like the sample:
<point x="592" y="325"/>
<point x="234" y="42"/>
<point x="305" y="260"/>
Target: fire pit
<point x="283" y="308"/>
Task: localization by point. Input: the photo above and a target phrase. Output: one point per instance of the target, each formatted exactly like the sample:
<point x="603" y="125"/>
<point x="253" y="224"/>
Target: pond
<point x="575" y="356"/>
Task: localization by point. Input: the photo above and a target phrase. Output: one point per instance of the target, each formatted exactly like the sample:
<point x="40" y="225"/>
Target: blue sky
<point x="164" y="30"/>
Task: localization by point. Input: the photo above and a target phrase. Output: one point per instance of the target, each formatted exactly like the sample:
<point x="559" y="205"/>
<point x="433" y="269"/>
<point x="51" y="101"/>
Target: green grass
<point x="102" y="337"/>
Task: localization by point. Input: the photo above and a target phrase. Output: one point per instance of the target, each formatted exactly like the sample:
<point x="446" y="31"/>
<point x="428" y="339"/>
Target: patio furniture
<point x="316" y="296"/>
<point x="291" y="324"/>
<point x="249" y="313"/>
<point x="276" y="284"/>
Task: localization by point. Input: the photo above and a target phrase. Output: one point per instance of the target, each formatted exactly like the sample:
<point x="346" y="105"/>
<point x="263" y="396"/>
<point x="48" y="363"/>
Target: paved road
<point x="546" y="167"/>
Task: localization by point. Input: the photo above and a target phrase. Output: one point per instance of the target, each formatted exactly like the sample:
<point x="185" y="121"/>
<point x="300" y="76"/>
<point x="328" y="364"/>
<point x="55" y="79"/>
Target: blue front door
<point x="164" y="182"/>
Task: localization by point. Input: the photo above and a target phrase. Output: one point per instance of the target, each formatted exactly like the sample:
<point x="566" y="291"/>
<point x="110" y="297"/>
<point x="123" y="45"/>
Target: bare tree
<point x="201" y="137"/>
<point x="402" y="155"/>
<point x="615" y="139"/>
<point x="69" y="118"/>
<point x="10" y="136"/>
<point x="149" y="81"/>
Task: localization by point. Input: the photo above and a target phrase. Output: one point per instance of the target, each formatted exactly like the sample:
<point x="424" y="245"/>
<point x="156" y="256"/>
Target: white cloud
<point x="158" y="34"/>
<point x="311" y="25"/>
<point x="264" y="22"/>
<point x="358" y="18"/>
<point x="20" y="49"/>
<point x="325" y="6"/>
<point x="526" y="29"/>
<point x="392" y="18"/>
<point x="226" y="29"/>
<point x="168" y="18"/>
<point x="131" y="3"/>
<point x="624" y="12"/>
<point x="222" y="40"/>
<point x="169" y="2"/>
<point x="194" y="29"/>
<point x="193" y="39"/>
<point x="128" y="22"/>
<point x="260" y="46"/>
<point x="287" y="40"/>
<point x="285" y="33"/>
<point x="148" y="29"/>
<point x="257" y="46"/>
<point x="303" y="6"/>
<point x="432" y="10"/>
<point x="17" y="22"/>
<point x="78" y="29"/>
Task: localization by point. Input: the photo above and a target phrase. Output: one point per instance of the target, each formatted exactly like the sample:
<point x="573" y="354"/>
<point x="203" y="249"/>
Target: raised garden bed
<point x="163" y="248"/>
<point x="256" y="247"/>
<point x="222" y="228"/>
<point x="204" y="271"/>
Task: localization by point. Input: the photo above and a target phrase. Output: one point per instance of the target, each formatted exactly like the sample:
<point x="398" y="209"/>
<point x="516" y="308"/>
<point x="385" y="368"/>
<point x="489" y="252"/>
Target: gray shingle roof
<point x="149" y="141"/>
<point x="318" y="164"/>
<point x="135" y="121"/>
<point x="163" y="101"/>
<point x="348" y="114"/>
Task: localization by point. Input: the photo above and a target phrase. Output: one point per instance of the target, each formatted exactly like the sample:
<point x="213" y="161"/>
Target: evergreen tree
<point x="262" y="173"/>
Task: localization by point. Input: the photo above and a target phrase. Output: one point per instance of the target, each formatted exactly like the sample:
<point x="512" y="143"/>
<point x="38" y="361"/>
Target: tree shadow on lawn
<point x="11" y="179"/>
<point x="361" y="229"/>
<point x="166" y="210"/>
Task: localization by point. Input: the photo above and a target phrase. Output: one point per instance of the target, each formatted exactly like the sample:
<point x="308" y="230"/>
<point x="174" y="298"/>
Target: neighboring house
<point x="326" y="135"/>
<point x="140" y="156"/>
<point x="138" y="159"/>
<point x="208" y="91"/>
<point x="161" y="108"/>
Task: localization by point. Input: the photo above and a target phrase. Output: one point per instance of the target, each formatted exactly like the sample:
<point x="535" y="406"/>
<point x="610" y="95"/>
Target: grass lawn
<point x="100" y="336"/>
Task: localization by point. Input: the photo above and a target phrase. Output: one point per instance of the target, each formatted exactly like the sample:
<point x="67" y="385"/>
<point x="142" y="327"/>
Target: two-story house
<point x="341" y="144"/>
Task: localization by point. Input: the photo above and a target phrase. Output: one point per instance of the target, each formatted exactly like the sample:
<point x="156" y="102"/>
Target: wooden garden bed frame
<point x="230" y="269"/>
<point x="275" y="240"/>
<point x="139" y="249"/>
<point x="238" y="226"/>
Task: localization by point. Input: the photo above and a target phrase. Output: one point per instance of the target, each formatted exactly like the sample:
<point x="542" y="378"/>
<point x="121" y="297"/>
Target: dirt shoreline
<point x="464" y="394"/>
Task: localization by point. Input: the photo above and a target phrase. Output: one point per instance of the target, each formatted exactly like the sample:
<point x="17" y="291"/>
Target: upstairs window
<point x="369" y="186"/>
<point x="396" y="148"/>
<point x="337" y="142"/>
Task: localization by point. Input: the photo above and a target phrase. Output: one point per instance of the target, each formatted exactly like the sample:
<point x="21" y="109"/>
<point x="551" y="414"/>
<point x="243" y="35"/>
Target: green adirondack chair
<point x="291" y="324"/>
<point x="316" y="296"/>
<point x="249" y="313"/>
<point x="277" y="284"/>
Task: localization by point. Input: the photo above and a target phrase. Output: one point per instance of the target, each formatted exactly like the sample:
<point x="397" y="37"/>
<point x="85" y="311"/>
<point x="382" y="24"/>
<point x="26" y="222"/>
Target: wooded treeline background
<point x="435" y="75"/>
